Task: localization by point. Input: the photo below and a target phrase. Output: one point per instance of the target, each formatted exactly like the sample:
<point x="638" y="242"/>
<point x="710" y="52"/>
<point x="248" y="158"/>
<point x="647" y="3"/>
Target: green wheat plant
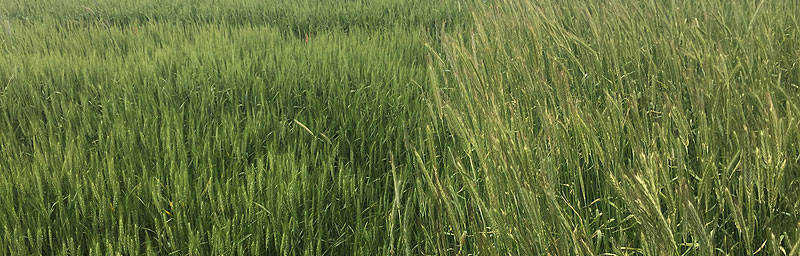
<point x="377" y="127"/>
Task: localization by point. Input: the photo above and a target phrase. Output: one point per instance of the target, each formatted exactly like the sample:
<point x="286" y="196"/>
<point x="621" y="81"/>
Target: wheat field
<point x="379" y="127"/>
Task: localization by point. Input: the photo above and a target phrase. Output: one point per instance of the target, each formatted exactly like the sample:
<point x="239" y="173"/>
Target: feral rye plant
<point x="381" y="127"/>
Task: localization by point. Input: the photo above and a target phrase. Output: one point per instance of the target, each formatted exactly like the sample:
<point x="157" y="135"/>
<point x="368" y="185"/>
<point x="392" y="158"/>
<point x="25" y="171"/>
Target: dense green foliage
<point x="377" y="127"/>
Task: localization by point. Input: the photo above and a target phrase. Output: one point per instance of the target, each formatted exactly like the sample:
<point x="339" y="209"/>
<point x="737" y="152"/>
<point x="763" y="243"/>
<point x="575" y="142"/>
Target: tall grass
<point x="619" y="127"/>
<point x="399" y="128"/>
